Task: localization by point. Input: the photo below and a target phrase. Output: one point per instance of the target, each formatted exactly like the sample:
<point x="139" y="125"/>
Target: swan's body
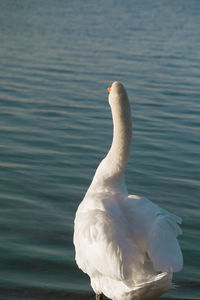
<point x="126" y="244"/>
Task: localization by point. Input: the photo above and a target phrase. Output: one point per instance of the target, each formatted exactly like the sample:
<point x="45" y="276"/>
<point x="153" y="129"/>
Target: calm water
<point x="56" y="60"/>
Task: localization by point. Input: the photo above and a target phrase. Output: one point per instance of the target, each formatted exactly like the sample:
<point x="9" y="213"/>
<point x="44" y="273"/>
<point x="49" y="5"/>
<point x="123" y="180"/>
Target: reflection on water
<point x="56" y="63"/>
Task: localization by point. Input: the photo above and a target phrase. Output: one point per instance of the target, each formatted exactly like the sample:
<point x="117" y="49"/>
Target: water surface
<point x="56" y="60"/>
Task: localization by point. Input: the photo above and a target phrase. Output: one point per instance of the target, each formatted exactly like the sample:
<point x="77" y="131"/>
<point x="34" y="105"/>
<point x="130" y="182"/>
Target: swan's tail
<point x="152" y="289"/>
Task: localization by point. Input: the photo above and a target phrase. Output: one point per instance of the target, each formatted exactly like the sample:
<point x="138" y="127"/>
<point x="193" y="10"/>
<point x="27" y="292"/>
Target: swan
<point x="125" y="243"/>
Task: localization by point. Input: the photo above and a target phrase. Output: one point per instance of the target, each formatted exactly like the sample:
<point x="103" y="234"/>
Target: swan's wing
<point x="102" y="247"/>
<point x="163" y="247"/>
<point x="156" y="230"/>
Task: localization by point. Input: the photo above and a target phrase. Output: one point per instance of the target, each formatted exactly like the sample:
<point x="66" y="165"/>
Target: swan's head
<point x="117" y="93"/>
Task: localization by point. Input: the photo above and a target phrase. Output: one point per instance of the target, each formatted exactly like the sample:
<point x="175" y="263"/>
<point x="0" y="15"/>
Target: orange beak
<point x="109" y="89"/>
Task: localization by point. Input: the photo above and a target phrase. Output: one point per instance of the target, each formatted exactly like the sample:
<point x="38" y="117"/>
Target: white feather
<point x="122" y="241"/>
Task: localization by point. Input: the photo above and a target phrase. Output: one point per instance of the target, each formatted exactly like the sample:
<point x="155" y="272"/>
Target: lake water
<point x="56" y="60"/>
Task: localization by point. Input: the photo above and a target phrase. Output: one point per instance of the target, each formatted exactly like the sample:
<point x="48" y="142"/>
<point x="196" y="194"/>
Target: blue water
<point x="56" y="60"/>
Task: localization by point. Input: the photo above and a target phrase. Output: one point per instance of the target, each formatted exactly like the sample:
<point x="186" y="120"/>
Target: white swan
<point x="126" y="244"/>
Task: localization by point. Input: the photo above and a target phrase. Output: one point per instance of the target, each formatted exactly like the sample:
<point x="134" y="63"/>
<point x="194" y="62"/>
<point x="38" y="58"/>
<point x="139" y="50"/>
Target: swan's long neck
<point x="118" y="154"/>
<point x="114" y="164"/>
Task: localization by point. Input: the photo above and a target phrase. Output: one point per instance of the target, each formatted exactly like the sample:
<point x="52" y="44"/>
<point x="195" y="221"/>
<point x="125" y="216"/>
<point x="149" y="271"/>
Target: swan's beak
<point x="109" y="89"/>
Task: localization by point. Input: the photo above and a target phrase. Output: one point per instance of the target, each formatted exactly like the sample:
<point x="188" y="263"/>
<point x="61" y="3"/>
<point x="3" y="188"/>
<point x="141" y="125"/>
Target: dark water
<point x="56" y="60"/>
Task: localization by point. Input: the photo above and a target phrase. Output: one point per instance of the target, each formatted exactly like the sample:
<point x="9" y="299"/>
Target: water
<point x="56" y="60"/>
